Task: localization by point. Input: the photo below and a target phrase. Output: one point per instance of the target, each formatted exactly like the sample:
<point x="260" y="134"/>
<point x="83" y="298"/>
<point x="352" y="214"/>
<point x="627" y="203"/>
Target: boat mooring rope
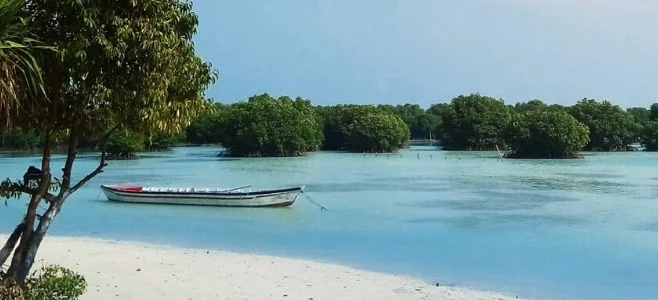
<point x="322" y="208"/>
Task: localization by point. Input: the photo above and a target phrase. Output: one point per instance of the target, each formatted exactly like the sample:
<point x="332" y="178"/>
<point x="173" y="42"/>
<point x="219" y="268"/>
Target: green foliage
<point x="532" y="105"/>
<point x="439" y="111"/>
<point x="265" y="126"/>
<point x="335" y="120"/>
<point x="56" y="283"/>
<point x="545" y="134"/>
<point x="641" y="118"/>
<point x="610" y="127"/>
<point x="51" y="283"/>
<point x="640" y="114"/>
<point x="420" y="122"/>
<point x="129" y="62"/>
<point x="208" y="127"/>
<point x="116" y="63"/>
<point x="362" y="128"/>
<point x="160" y="141"/>
<point x="123" y="144"/>
<point x="10" y="189"/>
<point x="376" y="131"/>
<point x="474" y="122"/>
<point x="649" y="136"/>
<point x="536" y="105"/>
<point x="20" y="74"/>
<point x="653" y="112"/>
<point x="19" y="139"/>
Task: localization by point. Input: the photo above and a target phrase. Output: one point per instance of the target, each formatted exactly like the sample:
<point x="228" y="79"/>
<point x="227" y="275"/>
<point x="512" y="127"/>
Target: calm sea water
<point x="551" y="229"/>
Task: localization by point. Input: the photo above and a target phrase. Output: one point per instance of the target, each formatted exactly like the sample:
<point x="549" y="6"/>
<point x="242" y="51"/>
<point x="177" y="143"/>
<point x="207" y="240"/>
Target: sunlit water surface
<point x="551" y="229"/>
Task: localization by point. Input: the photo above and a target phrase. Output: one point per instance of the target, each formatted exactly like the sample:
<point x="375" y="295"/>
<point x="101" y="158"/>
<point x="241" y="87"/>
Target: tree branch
<point x="70" y="157"/>
<point x="24" y="189"/>
<point x="101" y="164"/>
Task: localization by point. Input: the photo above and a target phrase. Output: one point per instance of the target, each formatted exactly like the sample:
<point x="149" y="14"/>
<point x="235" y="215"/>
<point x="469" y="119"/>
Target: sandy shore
<point x="126" y="270"/>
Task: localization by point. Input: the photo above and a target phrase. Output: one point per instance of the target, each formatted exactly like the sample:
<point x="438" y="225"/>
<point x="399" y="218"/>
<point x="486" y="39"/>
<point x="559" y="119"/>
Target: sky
<point x="430" y="51"/>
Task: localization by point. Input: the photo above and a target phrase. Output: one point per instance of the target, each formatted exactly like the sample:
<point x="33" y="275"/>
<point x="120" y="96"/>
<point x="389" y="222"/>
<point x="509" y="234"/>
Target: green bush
<point x="50" y="283"/>
<point x="362" y="128"/>
<point x="267" y="126"/>
<point x="124" y="144"/>
<point x="545" y="134"/>
<point x="377" y="132"/>
<point x="474" y="122"/>
<point x="610" y="127"/>
<point x="55" y="283"/>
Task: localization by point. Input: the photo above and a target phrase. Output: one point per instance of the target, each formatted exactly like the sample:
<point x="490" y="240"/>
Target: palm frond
<point x="20" y="75"/>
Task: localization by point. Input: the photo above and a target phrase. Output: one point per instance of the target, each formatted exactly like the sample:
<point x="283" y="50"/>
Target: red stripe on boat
<point x="129" y="188"/>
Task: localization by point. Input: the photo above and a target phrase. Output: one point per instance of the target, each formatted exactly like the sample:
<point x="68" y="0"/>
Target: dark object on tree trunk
<point x="11" y="243"/>
<point x="33" y="174"/>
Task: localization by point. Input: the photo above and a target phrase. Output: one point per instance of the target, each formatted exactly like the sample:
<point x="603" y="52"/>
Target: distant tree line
<point x="267" y="126"/>
<point x="531" y="129"/>
<point x="122" y="144"/>
<point x="536" y="130"/>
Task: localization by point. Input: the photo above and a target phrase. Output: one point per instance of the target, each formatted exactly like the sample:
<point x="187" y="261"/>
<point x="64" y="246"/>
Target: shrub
<point x="377" y="132"/>
<point x="545" y="134"/>
<point x="474" y="122"/>
<point x="362" y="128"/>
<point x="123" y="144"/>
<point x="51" y="283"/>
<point x="610" y="127"/>
<point x="267" y="126"/>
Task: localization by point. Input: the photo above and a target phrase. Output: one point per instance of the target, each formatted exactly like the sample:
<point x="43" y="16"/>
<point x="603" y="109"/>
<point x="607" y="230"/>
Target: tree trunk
<point x="31" y="214"/>
<point x="11" y="243"/>
<point x="35" y="241"/>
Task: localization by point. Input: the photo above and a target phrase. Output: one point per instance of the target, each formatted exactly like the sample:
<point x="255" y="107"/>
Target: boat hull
<point x="262" y="198"/>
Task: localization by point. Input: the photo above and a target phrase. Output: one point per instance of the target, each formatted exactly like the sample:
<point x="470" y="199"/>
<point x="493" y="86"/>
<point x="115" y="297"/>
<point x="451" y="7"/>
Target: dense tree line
<point x="120" y="145"/>
<point x="475" y="122"/>
<point x="468" y="122"/>
<point x="267" y="126"/>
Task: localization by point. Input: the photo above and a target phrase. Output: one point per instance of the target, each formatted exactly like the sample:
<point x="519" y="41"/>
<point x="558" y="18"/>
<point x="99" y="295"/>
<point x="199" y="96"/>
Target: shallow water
<point x="552" y="229"/>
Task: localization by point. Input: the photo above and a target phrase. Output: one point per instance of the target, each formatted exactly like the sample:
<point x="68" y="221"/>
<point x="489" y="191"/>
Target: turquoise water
<point x="571" y="229"/>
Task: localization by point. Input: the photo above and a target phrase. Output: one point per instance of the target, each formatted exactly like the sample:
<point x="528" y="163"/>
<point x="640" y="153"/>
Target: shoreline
<point x="136" y="270"/>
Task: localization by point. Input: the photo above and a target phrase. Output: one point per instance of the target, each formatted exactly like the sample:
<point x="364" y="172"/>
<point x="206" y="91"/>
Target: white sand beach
<point x="127" y="270"/>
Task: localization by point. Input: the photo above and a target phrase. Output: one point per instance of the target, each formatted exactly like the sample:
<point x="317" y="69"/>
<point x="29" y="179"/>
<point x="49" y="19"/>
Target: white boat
<point x="235" y="197"/>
